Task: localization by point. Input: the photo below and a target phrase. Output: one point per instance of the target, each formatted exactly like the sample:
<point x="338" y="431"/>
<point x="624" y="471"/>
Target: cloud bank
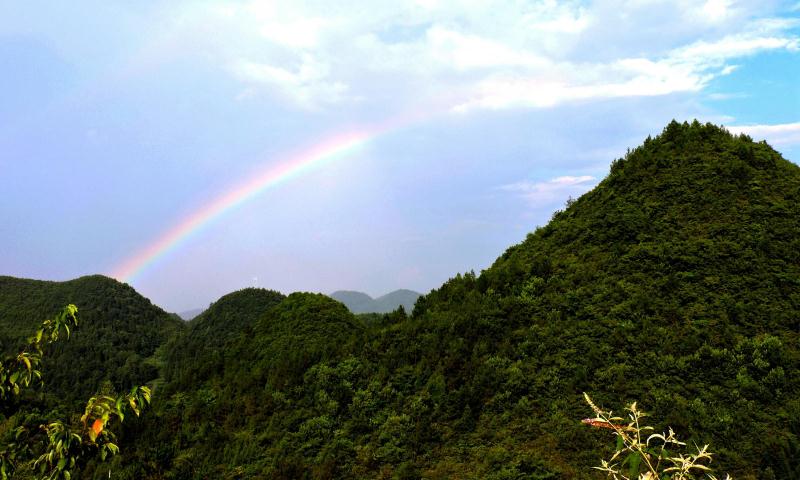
<point x="468" y="56"/>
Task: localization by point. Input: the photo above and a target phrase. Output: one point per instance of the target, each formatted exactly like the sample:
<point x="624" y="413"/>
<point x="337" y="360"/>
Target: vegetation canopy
<point x="55" y="450"/>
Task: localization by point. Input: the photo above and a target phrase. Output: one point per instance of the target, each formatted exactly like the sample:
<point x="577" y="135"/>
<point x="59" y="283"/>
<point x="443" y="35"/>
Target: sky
<point x="193" y="148"/>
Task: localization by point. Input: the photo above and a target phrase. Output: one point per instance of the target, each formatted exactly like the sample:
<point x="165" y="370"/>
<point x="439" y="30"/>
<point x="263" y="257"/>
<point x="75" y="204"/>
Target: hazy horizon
<point x="477" y="121"/>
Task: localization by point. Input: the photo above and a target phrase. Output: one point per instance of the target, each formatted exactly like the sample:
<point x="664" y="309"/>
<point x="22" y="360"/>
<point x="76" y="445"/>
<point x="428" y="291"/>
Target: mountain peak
<point x="703" y="148"/>
<point x="694" y="199"/>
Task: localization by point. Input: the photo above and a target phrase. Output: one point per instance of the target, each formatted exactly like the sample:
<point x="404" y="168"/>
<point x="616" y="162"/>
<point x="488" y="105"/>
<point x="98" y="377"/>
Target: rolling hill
<point x="359" y="302"/>
<point x="118" y="334"/>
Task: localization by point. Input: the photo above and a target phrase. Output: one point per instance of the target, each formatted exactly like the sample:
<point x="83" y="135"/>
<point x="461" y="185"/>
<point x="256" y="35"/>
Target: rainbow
<point x="324" y="152"/>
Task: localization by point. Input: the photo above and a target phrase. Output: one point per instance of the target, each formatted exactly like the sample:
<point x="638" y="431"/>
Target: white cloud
<point x="716" y="10"/>
<point x="545" y="193"/>
<point x="464" y="52"/>
<point x="685" y="69"/>
<point x="727" y="96"/>
<point x="490" y="54"/>
<point x="634" y="77"/>
<point x="734" y="46"/>
<point x="287" y="25"/>
<point x="308" y="85"/>
<point x="780" y="134"/>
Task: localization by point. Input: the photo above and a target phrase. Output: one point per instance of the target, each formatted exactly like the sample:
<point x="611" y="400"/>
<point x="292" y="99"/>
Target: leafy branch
<point x="646" y="455"/>
<point x="56" y="453"/>
<point x="22" y="370"/>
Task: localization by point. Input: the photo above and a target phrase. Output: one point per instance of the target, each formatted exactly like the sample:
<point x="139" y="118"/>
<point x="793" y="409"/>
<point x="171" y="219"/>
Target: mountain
<point x="199" y="351"/>
<point x="359" y="302"/>
<point x="356" y="302"/>
<point x="231" y="382"/>
<point x="389" y="302"/>
<point x="191" y="314"/>
<point x="118" y="333"/>
<point x="674" y="283"/>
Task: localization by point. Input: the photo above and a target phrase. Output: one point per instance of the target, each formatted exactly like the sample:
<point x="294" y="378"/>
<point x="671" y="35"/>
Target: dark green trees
<point x="120" y="333"/>
<point x="54" y="450"/>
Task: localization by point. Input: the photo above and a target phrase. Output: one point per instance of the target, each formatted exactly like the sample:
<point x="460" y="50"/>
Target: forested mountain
<point x="199" y="353"/>
<point x="239" y="397"/>
<point x="675" y="282"/>
<point x="118" y="333"/>
<point x="359" y="302"/>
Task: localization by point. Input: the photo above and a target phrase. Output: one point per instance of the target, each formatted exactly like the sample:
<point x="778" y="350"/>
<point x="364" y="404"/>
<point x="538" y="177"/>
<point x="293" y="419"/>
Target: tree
<point x="55" y="449"/>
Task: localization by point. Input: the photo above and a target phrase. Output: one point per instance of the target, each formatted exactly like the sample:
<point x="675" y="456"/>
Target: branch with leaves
<point x="55" y="454"/>
<point x="22" y="370"/>
<point x="646" y="455"/>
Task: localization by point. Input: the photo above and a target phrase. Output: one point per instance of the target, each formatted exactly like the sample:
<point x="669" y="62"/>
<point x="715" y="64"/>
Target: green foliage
<point x="641" y="454"/>
<point x="55" y="450"/>
<point x="202" y="350"/>
<point x="121" y="333"/>
<point x="21" y="371"/>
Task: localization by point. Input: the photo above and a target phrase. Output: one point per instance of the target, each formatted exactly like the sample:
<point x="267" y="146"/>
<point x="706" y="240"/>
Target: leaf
<point x="97" y="427"/>
<point x="635" y="460"/>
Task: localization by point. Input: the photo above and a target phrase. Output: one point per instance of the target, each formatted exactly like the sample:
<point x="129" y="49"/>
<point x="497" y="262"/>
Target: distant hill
<point x="359" y="302"/>
<point x="190" y="314"/>
<point x="356" y="302"/>
<point x="117" y="336"/>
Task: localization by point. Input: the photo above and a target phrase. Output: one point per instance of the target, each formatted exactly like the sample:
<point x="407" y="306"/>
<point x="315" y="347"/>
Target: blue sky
<point x="118" y="120"/>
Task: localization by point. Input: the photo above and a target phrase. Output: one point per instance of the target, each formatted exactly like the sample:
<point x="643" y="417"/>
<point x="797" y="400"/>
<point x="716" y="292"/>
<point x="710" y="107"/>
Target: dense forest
<point x="119" y="333"/>
<point x="675" y="283"/>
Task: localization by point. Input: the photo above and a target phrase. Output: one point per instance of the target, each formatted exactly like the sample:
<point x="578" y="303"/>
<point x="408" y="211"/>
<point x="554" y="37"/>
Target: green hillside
<point x="201" y="350"/>
<point x="675" y="282"/>
<point x="230" y="421"/>
<point x="118" y="334"/>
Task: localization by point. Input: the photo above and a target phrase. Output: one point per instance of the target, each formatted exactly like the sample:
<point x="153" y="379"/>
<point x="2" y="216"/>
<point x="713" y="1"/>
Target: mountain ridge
<point x="360" y="302"/>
